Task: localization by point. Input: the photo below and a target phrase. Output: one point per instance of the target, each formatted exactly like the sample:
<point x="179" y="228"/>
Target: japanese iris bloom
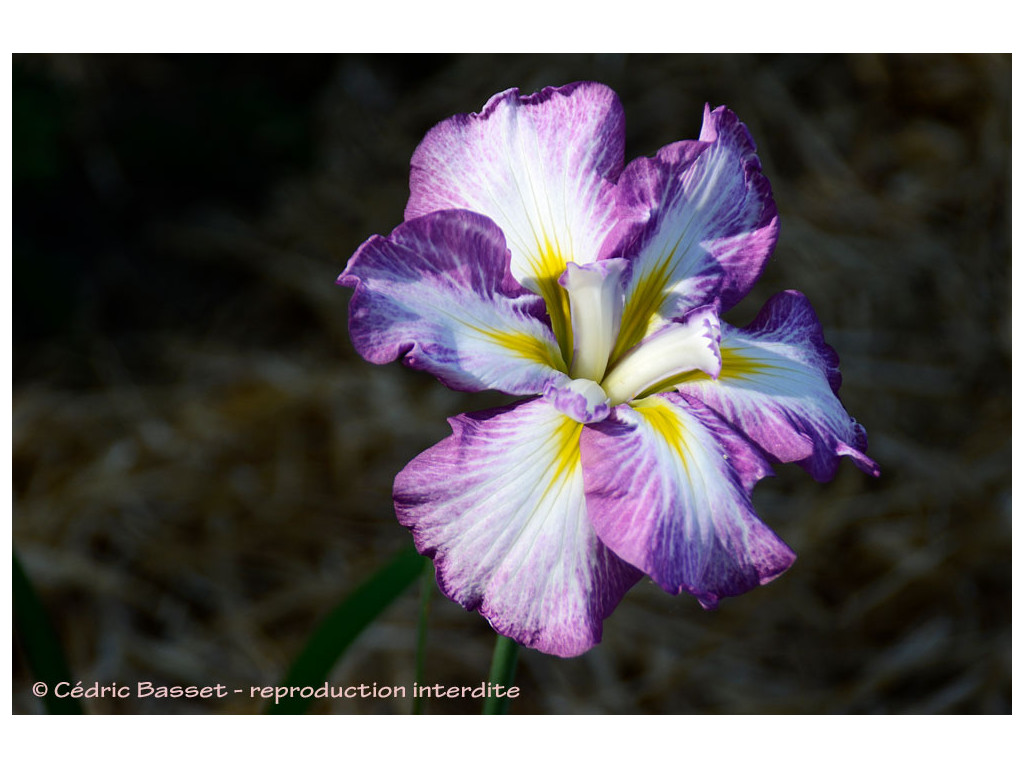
<point x="532" y="262"/>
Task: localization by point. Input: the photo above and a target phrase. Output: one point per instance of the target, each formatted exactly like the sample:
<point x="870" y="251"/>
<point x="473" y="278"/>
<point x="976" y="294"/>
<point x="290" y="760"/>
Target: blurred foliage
<point x="202" y="465"/>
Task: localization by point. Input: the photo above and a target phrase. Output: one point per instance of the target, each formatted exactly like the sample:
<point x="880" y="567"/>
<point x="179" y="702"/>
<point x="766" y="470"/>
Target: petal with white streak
<point x="542" y="166"/>
<point x="668" y="490"/>
<point x="711" y="224"/>
<point x="437" y="293"/>
<point x="778" y="386"/>
<point x="499" y="506"/>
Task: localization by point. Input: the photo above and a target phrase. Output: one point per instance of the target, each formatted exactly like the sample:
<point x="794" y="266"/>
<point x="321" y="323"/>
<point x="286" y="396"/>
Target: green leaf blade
<point x="343" y="625"/>
<point x="40" y="643"/>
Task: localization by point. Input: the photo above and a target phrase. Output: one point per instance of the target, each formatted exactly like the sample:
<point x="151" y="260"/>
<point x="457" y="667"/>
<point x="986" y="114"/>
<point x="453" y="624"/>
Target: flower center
<point x="596" y="295"/>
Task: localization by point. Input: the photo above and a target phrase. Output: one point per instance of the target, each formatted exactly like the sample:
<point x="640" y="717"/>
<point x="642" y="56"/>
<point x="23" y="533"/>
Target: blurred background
<point x="202" y="466"/>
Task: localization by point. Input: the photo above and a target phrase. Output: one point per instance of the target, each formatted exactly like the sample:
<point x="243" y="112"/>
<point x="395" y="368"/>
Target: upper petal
<point x="499" y="506"/>
<point x="778" y="386"/>
<point x="437" y="293"/>
<point x="542" y="166"/>
<point x="668" y="490"/>
<point x="709" y="228"/>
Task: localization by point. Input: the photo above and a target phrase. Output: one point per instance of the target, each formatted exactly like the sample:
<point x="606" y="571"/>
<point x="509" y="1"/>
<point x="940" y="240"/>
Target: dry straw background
<point x="202" y="465"/>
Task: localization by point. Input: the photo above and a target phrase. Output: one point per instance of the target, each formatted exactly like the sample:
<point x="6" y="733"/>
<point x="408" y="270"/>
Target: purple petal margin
<point x="747" y="224"/>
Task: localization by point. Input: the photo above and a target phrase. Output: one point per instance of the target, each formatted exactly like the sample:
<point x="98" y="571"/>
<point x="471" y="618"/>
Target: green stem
<point x="503" y="673"/>
<point x="426" y="590"/>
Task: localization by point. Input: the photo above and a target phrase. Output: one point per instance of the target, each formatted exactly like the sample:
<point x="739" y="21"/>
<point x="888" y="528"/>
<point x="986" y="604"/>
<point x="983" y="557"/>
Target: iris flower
<point x="532" y="262"/>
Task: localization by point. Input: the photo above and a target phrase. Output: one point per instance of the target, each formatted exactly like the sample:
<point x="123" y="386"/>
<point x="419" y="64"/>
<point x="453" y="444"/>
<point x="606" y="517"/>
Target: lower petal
<point x="668" y="490"/>
<point x="500" y="508"/>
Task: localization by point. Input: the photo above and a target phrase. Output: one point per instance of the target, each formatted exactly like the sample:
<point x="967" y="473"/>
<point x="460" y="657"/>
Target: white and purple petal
<point x="499" y="506"/>
<point x="437" y="293"/>
<point x="711" y="224"/>
<point x="543" y="167"/>
<point x="778" y="386"/>
<point x="668" y="490"/>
